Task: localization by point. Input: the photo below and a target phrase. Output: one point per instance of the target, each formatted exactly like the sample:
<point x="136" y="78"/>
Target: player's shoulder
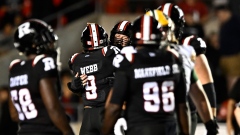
<point x="196" y="42"/>
<point x="13" y="63"/>
<point x="110" y="50"/>
<point x="128" y="49"/>
<point x="45" y="62"/>
<point x="73" y="57"/>
<point x="125" y="58"/>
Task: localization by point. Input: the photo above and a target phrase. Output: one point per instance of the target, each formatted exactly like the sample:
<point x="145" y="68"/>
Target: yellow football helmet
<point x="162" y="18"/>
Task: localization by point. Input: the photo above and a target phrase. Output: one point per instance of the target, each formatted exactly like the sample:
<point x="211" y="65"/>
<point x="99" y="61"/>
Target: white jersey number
<point x="25" y="107"/>
<point x="91" y="89"/>
<point x="151" y="95"/>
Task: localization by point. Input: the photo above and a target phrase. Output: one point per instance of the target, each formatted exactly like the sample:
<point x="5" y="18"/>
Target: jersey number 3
<point x="154" y="96"/>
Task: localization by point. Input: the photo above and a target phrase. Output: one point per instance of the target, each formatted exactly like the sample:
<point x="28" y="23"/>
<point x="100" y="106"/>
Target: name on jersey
<point x="19" y="80"/>
<point x="89" y="69"/>
<point x="155" y="71"/>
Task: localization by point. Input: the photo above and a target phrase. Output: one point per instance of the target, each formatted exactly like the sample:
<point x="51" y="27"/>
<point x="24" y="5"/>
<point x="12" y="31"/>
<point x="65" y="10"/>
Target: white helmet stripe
<point x="166" y="8"/>
<point x="156" y="15"/>
<point x="122" y="25"/>
<point x="94" y="34"/>
<point x="146" y="27"/>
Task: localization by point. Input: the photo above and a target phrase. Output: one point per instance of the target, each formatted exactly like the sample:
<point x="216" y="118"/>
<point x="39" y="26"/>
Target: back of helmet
<point x="146" y="32"/>
<point x="94" y="37"/>
<point x="35" y="37"/>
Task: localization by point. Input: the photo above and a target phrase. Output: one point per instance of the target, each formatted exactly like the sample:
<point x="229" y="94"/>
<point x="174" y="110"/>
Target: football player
<point x="201" y="64"/>
<point x="120" y="37"/>
<point x="94" y="75"/>
<point x="194" y="88"/>
<point x="151" y="82"/>
<point x="34" y="82"/>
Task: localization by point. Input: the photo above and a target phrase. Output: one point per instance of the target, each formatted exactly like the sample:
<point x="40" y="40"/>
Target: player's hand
<point x="120" y="126"/>
<point x="78" y="83"/>
<point x="212" y="127"/>
<point x="84" y="80"/>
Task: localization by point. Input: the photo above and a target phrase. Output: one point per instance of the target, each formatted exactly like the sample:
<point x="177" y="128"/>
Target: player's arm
<point x="12" y="110"/>
<point x="199" y="98"/>
<point x="205" y="76"/>
<point x="50" y="99"/>
<point x="181" y="106"/>
<point x="237" y="113"/>
<point x="77" y="85"/>
<point x="114" y="108"/>
<point x="233" y="98"/>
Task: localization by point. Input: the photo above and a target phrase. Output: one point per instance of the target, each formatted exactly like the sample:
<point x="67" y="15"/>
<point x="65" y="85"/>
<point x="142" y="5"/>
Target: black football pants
<point x="168" y="128"/>
<point x="92" y="121"/>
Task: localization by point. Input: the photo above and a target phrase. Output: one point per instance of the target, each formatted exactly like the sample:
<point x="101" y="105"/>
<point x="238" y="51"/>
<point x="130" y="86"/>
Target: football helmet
<point x="35" y="37"/>
<point x="146" y="31"/>
<point x="94" y="37"/>
<point x="166" y="24"/>
<point x="122" y="27"/>
<point x="177" y="16"/>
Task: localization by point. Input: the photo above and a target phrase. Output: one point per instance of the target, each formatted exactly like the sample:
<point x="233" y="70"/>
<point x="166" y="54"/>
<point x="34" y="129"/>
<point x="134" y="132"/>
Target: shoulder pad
<point x="14" y="62"/>
<point x="197" y="43"/>
<point x="71" y="60"/>
<point x="128" y="49"/>
<point x="110" y="50"/>
<point x="120" y="61"/>
<point x="37" y="58"/>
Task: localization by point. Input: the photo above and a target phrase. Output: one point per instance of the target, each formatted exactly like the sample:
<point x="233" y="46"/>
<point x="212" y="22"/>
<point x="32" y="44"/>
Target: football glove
<point x="212" y="127"/>
<point x="120" y="126"/>
<point x="76" y="85"/>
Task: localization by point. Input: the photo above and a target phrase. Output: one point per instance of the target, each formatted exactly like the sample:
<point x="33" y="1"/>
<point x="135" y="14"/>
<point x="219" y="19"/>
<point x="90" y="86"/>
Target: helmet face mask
<point x="94" y="37"/>
<point x="123" y="28"/>
<point x="35" y="37"/>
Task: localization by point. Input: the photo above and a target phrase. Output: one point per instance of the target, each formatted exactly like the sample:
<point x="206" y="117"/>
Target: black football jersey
<point x="151" y="83"/>
<point x="24" y="81"/>
<point x="97" y="65"/>
<point x="197" y="43"/>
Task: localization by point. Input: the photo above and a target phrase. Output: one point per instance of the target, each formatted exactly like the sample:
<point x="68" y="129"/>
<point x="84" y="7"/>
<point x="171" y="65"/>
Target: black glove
<point x="215" y="121"/>
<point x="212" y="127"/>
<point x="76" y="85"/>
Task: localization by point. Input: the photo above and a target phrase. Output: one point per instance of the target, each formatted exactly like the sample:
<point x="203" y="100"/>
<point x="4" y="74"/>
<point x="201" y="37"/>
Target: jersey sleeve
<point x="120" y="62"/>
<point x="119" y="88"/>
<point x="197" y="43"/>
<point x="110" y="51"/>
<point x="46" y="67"/>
